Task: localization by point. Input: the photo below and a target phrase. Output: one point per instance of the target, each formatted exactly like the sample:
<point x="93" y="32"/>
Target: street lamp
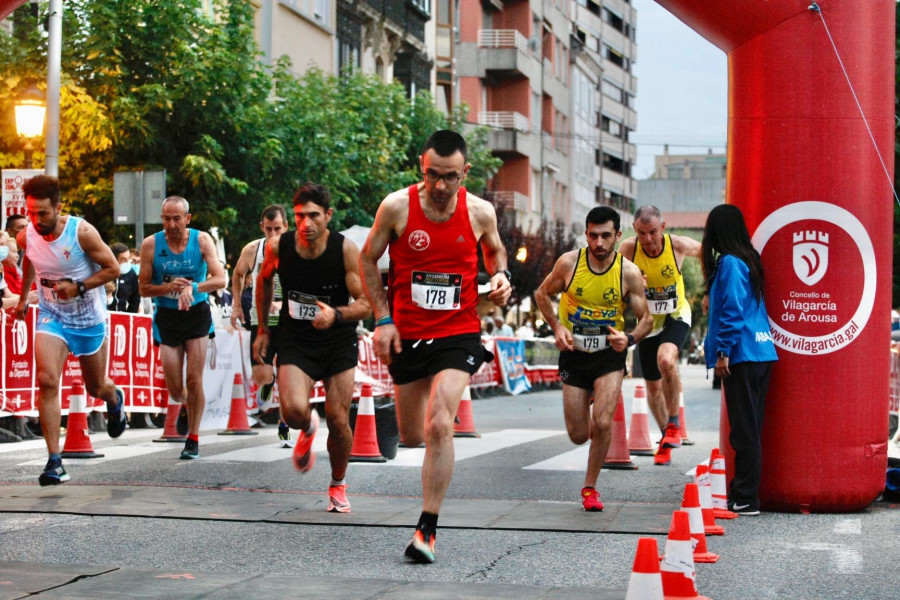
<point x="30" y="110"/>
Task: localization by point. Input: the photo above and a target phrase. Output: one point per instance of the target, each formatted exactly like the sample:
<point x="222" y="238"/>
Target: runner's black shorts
<point x="423" y="358"/>
<point x="675" y="331"/>
<point x="173" y="327"/>
<point x="319" y="362"/>
<point x="269" y="356"/>
<point x="580" y="369"/>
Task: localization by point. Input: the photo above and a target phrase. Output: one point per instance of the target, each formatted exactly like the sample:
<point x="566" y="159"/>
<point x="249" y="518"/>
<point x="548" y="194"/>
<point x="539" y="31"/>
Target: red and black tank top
<point x="433" y="287"/>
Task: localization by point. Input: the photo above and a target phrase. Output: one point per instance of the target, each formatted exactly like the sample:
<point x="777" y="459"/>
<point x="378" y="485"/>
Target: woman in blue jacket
<point x="738" y="344"/>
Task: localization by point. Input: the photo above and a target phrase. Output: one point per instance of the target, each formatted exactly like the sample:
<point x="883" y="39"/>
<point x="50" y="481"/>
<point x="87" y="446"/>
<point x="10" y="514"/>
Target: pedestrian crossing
<point x="267" y="449"/>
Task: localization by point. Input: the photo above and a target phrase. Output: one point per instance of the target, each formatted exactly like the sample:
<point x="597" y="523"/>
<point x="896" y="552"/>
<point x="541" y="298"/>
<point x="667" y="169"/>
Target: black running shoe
<point x="54" y="473"/>
<point x="116" y="419"/>
<point x="181" y="424"/>
<point x="265" y="392"/>
<point x="744" y="509"/>
<point x="284" y="432"/>
<point x="420" y="551"/>
<point x="191" y="450"/>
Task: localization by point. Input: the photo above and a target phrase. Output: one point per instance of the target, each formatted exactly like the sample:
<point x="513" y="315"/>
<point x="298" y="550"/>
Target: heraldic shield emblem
<point x="810" y="255"/>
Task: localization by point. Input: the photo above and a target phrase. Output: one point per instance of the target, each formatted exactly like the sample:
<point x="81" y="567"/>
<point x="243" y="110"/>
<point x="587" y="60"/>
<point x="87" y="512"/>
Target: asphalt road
<point x="775" y="555"/>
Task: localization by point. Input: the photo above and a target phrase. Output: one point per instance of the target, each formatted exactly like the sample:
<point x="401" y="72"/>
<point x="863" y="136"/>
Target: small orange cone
<point x="718" y="486"/>
<point x="701" y="478"/>
<point x="639" y="433"/>
<point x="464" y="425"/>
<point x="78" y="444"/>
<point x="677" y="568"/>
<point x="618" y="457"/>
<point x="691" y="504"/>
<point x="682" y="422"/>
<point x="237" y="416"/>
<point x="365" y="438"/>
<point x="645" y="582"/>
<point x="170" y="431"/>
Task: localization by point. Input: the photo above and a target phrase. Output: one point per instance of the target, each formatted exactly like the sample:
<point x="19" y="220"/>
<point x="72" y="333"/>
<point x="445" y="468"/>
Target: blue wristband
<point x="385" y="320"/>
<point x="194" y="286"/>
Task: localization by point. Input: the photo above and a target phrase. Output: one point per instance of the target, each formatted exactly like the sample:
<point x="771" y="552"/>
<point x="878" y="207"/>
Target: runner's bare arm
<point x="633" y="282"/>
<point x="554" y="283"/>
<point x="241" y="268"/>
<point x="145" y="277"/>
<point x="495" y="259"/>
<point x="264" y="288"/>
<point x="685" y="246"/>
<point x="27" y="276"/>
<point x="389" y="220"/>
<point x="358" y="309"/>
<point x="626" y="247"/>
<point x="215" y="272"/>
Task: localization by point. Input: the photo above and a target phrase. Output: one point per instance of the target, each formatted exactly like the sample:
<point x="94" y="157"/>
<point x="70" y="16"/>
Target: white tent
<point x="358" y="235"/>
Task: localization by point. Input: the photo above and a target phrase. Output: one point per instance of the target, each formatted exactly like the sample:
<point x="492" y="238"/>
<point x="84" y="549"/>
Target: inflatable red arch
<point x="807" y="170"/>
<point x="813" y="179"/>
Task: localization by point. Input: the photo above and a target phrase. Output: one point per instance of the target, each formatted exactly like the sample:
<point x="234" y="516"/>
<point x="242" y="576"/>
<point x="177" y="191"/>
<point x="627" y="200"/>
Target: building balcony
<point x="504" y="120"/>
<point x="506" y="200"/>
<point x="498" y="53"/>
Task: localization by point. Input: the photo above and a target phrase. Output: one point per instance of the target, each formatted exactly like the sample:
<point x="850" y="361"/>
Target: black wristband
<point x="505" y="272"/>
<point x="631" y="341"/>
<point x="338" y="317"/>
<point x="82" y="290"/>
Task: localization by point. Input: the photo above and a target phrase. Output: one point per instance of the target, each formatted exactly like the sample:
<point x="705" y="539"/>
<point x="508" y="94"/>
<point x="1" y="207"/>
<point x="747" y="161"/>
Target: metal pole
<point x="54" y="59"/>
<point x="139" y="209"/>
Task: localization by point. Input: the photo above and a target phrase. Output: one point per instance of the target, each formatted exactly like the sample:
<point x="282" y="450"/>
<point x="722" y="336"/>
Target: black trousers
<point x="745" y="399"/>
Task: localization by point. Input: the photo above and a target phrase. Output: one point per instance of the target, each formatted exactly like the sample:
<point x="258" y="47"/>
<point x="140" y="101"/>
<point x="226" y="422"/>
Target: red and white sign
<point x="12" y="197"/>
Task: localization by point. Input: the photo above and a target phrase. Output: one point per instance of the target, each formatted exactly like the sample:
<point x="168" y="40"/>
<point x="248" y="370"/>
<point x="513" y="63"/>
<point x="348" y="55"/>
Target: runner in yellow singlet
<point x="597" y="285"/>
<point x="659" y="256"/>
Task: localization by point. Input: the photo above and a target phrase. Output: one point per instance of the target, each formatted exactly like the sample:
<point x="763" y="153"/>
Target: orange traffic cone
<point x="78" y="444"/>
<point x="170" y="431"/>
<point x="645" y="582"/>
<point x="691" y="504"/>
<point x="718" y="486"/>
<point x="617" y="457"/>
<point x="639" y="433"/>
<point x="464" y="425"/>
<point x="682" y="422"/>
<point x="237" y="416"/>
<point x="365" y="439"/>
<point x="701" y="478"/>
<point x="677" y="568"/>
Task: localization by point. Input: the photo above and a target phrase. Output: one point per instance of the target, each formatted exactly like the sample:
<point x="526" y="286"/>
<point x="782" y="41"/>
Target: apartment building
<point x="552" y="78"/>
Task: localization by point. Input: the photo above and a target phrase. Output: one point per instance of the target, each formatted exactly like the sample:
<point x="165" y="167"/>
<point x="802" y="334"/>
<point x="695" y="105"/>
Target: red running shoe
<point x="590" y="500"/>
<point x="672" y="437"/>
<point x="304" y="457"/>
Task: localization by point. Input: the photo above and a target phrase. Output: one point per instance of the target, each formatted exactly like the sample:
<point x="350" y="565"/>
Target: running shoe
<point x="418" y="550"/>
<point x="284" y="434"/>
<point x="745" y="510"/>
<point x="304" y="457"/>
<point x="54" y="473"/>
<point x="337" y="499"/>
<point x="590" y="500"/>
<point x="265" y="392"/>
<point x="191" y="450"/>
<point x="663" y="456"/>
<point x="672" y="436"/>
<point x="116" y="419"/>
<point x="181" y="423"/>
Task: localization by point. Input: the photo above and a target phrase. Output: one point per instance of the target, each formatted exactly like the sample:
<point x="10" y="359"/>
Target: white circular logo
<point x="810" y="261"/>
<point x="419" y="240"/>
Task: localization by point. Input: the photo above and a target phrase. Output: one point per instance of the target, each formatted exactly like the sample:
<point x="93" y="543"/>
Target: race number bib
<point x="167" y="278"/>
<point x="303" y="307"/>
<point x="662" y="301"/>
<point x="48" y="290"/>
<point x="590" y="338"/>
<point x="436" y="291"/>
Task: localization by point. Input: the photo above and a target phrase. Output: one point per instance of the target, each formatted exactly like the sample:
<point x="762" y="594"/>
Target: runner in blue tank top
<point x="179" y="267"/>
<point x="71" y="265"/>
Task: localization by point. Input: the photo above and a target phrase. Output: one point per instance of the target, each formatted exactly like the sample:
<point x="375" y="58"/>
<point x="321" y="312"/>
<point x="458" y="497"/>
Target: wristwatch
<point x="338" y="317"/>
<point x="505" y="272"/>
<point x="721" y="354"/>
<point x="631" y="341"/>
<point x="81" y="289"/>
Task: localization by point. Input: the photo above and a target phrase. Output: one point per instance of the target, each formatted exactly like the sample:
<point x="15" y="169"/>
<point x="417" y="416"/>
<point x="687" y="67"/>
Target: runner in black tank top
<point x="319" y="272"/>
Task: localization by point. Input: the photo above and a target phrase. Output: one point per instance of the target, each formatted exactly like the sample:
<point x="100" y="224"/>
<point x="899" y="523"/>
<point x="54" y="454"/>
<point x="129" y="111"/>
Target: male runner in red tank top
<point x="428" y="332"/>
